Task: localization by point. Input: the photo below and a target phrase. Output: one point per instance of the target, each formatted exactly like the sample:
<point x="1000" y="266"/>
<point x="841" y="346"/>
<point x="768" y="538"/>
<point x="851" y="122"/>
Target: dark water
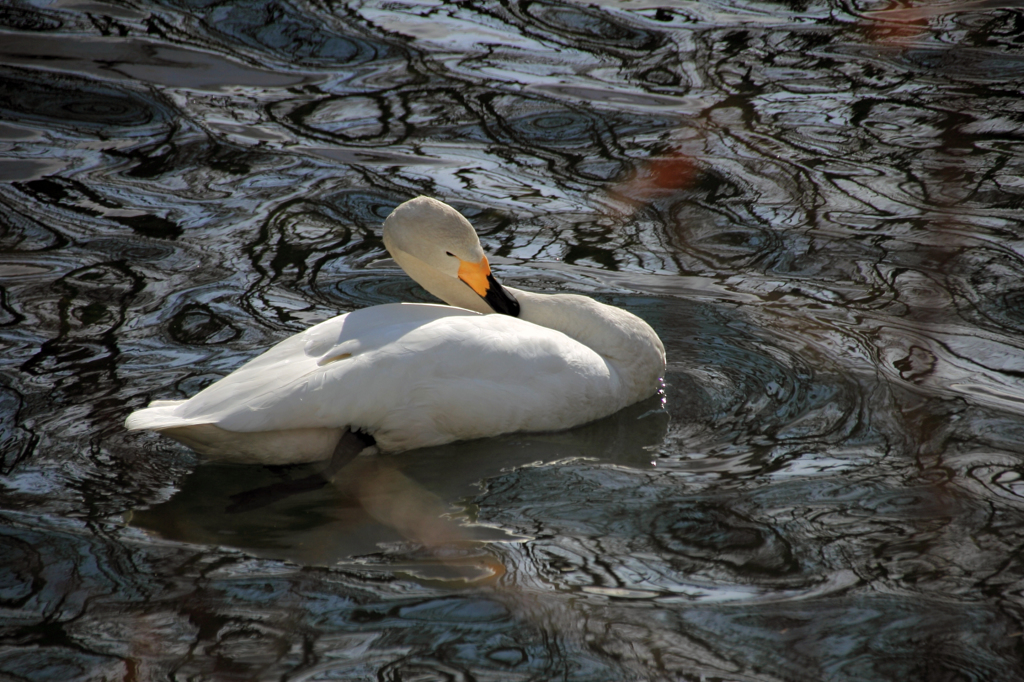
<point x="817" y="204"/>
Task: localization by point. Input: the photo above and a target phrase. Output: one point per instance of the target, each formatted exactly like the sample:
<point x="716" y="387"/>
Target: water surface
<point x="817" y="204"/>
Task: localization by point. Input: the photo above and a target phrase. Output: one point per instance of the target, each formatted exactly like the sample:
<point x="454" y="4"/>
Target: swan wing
<point x="411" y="375"/>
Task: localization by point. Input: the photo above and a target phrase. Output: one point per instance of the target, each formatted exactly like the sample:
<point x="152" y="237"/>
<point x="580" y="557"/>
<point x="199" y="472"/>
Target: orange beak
<point x="479" y="278"/>
<point x="476" y="275"/>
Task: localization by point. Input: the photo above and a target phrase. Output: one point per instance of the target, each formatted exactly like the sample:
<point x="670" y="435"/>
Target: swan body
<point x="415" y="375"/>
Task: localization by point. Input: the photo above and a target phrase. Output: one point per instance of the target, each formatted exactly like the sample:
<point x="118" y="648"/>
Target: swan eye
<point x="449" y="253"/>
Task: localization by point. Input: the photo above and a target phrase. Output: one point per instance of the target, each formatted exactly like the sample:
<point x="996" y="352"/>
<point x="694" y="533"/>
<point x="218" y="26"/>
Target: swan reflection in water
<point x="416" y="499"/>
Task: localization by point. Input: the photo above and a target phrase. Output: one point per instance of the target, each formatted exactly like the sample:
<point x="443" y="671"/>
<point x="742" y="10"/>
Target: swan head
<point x="438" y="248"/>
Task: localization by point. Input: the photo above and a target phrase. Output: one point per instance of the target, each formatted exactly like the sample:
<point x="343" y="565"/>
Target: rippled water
<point x="817" y="204"/>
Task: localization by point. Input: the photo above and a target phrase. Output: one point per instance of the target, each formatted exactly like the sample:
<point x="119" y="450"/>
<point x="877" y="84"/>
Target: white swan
<point x="414" y="375"/>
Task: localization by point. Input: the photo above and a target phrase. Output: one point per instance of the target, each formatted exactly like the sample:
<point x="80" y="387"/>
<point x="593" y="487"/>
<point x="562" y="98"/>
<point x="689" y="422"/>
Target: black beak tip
<point x="500" y="299"/>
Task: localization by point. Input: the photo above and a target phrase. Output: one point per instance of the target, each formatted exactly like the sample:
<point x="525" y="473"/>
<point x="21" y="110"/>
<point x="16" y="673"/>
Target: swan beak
<point x="479" y="278"/>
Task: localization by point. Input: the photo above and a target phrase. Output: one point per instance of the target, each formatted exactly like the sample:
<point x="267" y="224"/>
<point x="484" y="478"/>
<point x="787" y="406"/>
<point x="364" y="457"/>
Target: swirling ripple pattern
<point x="819" y="205"/>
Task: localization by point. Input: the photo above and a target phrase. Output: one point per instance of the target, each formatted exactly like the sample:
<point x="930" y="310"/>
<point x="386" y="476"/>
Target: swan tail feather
<point x="161" y="414"/>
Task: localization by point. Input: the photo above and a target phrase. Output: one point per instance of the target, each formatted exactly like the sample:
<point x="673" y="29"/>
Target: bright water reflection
<point x="815" y="203"/>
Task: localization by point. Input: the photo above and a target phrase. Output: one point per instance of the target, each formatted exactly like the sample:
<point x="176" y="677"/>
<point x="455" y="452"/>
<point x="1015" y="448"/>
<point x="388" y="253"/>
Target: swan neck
<point x="623" y="340"/>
